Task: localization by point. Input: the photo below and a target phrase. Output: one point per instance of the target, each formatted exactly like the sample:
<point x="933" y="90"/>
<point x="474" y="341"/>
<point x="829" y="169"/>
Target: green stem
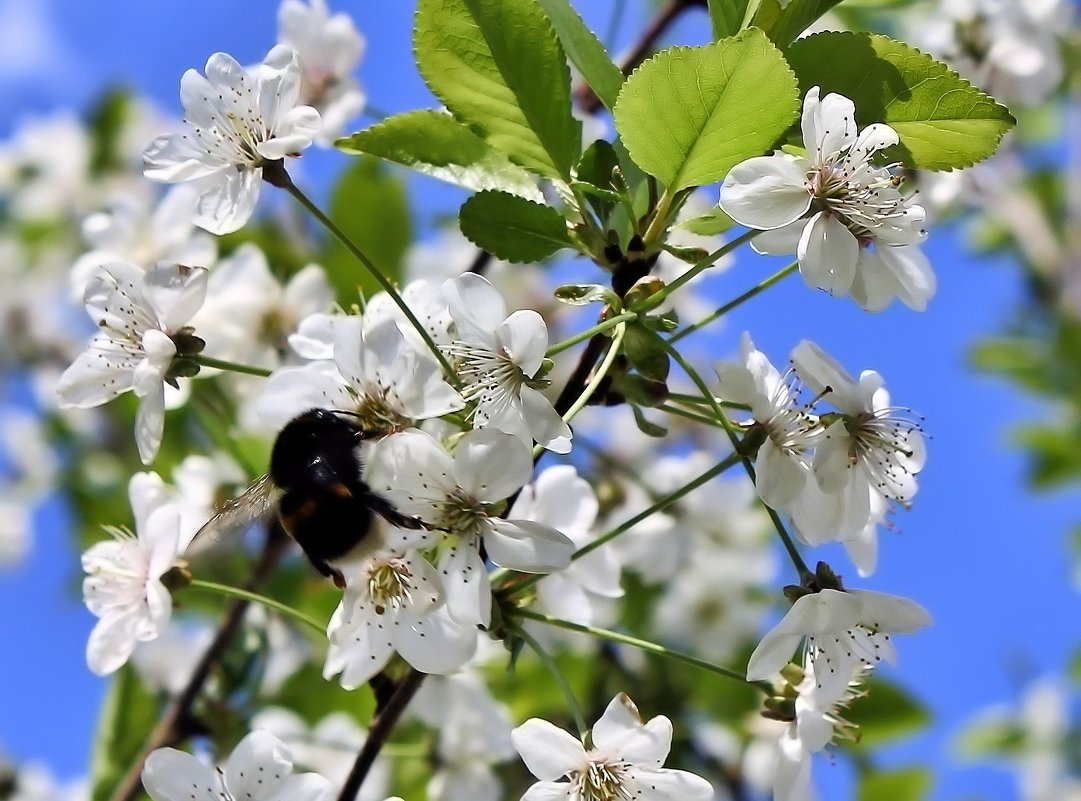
<point x="656" y="299"/>
<point x="698" y="400"/>
<point x="688" y="415"/>
<point x="642" y="645"/>
<point x="262" y="600"/>
<point x="801" y="567"/>
<point x="598" y="375"/>
<point x="373" y="271"/>
<point x="660" y="218"/>
<point x="582" y="336"/>
<point x="232" y="367"/>
<point x="561" y="680"/>
<point x="723" y="310"/>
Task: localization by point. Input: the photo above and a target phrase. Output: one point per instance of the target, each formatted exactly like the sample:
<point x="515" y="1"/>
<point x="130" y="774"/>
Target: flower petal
<point x="258" y="766"/>
<point x="548" y="751"/>
<point x="827" y="254"/>
<point x="766" y="192"/>
<point x="491" y="465"/>
<point x="527" y="546"/>
<point x="170" y="774"/>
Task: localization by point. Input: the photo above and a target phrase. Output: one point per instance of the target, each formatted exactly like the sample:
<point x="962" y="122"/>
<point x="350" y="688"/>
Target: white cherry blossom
<point x="625" y="761"/>
<point x="852" y="230"/>
<point x="819" y="721"/>
<point x="842" y="629"/>
<point x="138" y="315"/>
<point x="330" y="47"/>
<point x="123" y="584"/>
<point x="394" y="602"/>
<point x="259" y="769"/>
<point x="376" y="372"/>
<point x="872" y="442"/>
<point x="249" y="314"/>
<point x="497" y="355"/>
<point x="134" y="231"/>
<point x="239" y="120"/>
<point x="460" y="495"/>
<point x="791" y="431"/>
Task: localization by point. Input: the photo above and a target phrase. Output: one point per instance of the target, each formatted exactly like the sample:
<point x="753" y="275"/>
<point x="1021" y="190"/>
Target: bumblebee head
<point x="316" y="436"/>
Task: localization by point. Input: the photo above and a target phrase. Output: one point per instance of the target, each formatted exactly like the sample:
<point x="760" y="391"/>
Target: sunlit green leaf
<point x="585" y="51"/>
<point x="689" y="114"/>
<point x="728" y="17"/>
<point x="435" y="144"/>
<point x="943" y="121"/>
<point x="498" y="66"/>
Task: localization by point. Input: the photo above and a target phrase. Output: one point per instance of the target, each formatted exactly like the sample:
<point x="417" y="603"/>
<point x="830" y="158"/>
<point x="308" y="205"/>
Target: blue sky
<point x="988" y="559"/>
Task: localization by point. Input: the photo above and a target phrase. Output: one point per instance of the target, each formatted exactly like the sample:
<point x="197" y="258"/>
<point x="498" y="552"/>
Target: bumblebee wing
<point x="254" y="503"/>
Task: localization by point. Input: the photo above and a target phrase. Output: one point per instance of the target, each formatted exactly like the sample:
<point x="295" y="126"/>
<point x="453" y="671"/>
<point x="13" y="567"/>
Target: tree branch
<point x="669" y="13"/>
<point x="382" y="726"/>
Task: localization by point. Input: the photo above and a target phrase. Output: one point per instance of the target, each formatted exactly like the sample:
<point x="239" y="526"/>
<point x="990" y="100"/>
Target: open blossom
<point x="871" y="442"/>
<point x="239" y="121"/>
<point x="394" y="602"/>
<point x="123" y="584"/>
<point x="374" y="371"/>
<point x="562" y="499"/>
<point x="249" y="314"/>
<point x="852" y="230"/>
<point x="783" y="459"/>
<point x="135" y="231"/>
<point x="819" y="721"/>
<point x="461" y="495"/>
<point x="138" y="314"/>
<point x="497" y="356"/>
<point x="330" y="47"/>
<point x="259" y="769"/>
<point x="625" y="761"/>
<point x="842" y="629"/>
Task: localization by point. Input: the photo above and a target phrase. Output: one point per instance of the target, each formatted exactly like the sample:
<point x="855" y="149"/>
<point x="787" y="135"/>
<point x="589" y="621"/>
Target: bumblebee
<point x="316" y="485"/>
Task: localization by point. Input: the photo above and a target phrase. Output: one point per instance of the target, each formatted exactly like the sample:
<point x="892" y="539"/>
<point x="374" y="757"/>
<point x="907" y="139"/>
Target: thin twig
<point x="379" y="732"/>
<point x="669" y="13"/>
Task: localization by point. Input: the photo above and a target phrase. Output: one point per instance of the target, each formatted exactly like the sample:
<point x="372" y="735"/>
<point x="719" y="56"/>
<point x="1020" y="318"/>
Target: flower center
<point x="461" y="514"/>
<point x="376" y="411"/>
<point x="390" y="584"/>
<point x="490" y="377"/>
<point x="792" y="428"/>
<point x="602" y="781"/>
<point x="881" y="442"/>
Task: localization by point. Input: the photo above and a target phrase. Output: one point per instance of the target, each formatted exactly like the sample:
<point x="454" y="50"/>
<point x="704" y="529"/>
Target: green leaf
<point x="127" y="716"/>
<point x="729" y="17"/>
<point x="886" y="713"/>
<point x="647" y="427"/>
<point x="711" y="224"/>
<point x="943" y="121"/>
<point x="584" y="294"/>
<point x="369" y="204"/>
<point x="497" y="65"/>
<point x="585" y="51"/>
<point x="646" y="352"/>
<point x="784" y="22"/>
<point x="513" y="228"/>
<point x="905" y="784"/>
<point x="690" y="114"/>
<point x="990" y="737"/>
<point x="435" y="144"/>
<point x="596" y="168"/>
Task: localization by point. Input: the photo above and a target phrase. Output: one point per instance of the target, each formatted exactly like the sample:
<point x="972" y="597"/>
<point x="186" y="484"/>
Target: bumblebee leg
<point x="382" y="507"/>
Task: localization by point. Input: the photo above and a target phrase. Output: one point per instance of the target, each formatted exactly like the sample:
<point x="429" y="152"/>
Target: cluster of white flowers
<point x="455" y="418"/>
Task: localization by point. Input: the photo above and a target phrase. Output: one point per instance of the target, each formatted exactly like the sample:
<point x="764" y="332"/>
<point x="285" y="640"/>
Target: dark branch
<point x="379" y="732"/>
<point x="669" y="13"/>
